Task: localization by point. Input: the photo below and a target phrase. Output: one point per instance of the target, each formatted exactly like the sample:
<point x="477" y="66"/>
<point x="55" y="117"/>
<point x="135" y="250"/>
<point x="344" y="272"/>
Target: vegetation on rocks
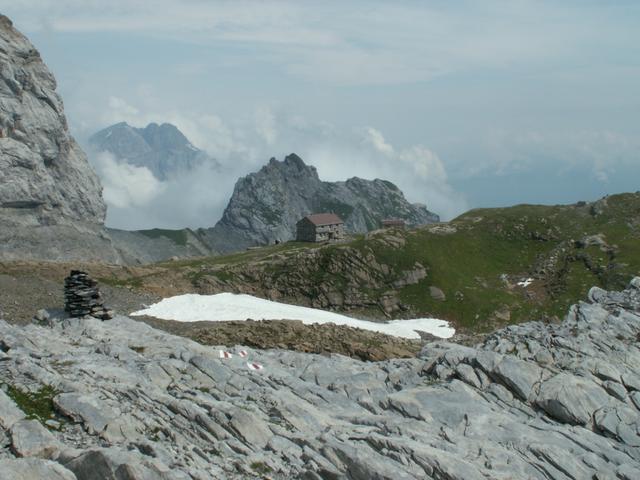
<point x="478" y="262"/>
<point x="178" y="236"/>
<point x="467" y="271"/>
<point x="37" y="405"/>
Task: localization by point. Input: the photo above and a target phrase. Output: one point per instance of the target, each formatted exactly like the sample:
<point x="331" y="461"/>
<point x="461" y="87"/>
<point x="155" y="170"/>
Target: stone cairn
<point x="81" y="297"/>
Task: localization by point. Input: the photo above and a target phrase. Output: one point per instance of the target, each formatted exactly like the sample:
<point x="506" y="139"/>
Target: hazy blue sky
<point x="462" y="103"/>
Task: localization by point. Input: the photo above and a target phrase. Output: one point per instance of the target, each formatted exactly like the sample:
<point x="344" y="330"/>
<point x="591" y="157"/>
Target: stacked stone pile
<point x="81" y="297"/>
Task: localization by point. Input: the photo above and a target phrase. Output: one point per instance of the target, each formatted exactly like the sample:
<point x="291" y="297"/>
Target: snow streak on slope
<point x="229" y="306"/>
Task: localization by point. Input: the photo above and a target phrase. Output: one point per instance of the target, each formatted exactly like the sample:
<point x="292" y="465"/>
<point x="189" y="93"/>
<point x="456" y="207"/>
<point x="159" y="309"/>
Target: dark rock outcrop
<point x="534" y="401"/>
<point x="343" y="278"/>
<point x="266" y="205"/>
<point x="51" y="204"/>
<point x="82" y="297"/>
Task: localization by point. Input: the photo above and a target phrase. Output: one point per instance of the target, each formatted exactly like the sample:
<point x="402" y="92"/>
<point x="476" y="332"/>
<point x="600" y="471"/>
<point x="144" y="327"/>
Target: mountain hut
<point x="320" y="227"/>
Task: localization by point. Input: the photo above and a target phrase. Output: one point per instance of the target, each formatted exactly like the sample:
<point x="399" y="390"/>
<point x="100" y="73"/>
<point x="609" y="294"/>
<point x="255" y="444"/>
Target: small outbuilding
<point x="320" y="227"/>
<point x="393" y="223"/>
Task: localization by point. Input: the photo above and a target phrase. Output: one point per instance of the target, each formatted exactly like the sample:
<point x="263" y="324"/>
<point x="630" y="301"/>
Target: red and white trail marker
<point x="224" y="354"/>
<point x="243" y="353"/>
<point x="254" y="366"/>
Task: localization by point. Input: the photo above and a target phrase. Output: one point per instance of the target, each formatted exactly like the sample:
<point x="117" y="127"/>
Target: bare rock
<point x="112" y="463"/>
<point x="30" y="439"/>
<point x="437" y="294"/>
<point x="33" y="468"/>
<point x="9" y="411"/>
<point x="571" y="399"/>
<point x="51" y="205"/>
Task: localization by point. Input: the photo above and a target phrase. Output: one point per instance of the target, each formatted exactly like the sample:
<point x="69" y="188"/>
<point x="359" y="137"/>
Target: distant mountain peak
<point x="162" y="148"/>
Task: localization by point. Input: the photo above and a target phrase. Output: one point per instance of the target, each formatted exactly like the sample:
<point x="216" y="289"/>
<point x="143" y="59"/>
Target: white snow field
<point x="229" y="306"/>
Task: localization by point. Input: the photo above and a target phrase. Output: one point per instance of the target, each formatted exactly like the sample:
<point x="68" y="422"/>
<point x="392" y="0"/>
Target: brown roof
<point x="324" y="219"/>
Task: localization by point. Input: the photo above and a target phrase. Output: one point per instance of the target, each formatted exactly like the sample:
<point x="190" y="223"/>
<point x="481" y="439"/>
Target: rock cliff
<point x="50" y="199"/>
<point x="163" y="149"/>
<point x="266" y="205"/>
<point x="84" y="399"/>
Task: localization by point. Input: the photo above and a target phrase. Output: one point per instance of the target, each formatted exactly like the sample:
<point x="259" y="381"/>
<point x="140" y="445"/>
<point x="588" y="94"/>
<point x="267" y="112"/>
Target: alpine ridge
<point x="266" y="205"/>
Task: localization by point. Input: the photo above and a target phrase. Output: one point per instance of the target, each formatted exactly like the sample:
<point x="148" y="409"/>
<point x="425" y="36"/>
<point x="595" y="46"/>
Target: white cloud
<point x="121" y="109"/>
<point x="375" y="138"/>
<point x="425" y="163"/>
<point x="126" y="186"/>
<point x="266" y="125"/>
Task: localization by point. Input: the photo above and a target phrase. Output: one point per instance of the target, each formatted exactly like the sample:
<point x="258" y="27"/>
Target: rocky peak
<point x="122" y="140"/>
<point x="163" y="148"/>
<point x="291" y="167"/>
<point x="266" y="205"/>
<point x="50" y="198"/>
<point x="165" y="136"/>
<point x="42" y="167"/>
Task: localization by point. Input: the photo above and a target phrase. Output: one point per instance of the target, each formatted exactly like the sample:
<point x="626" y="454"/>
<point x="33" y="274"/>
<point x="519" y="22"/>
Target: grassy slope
<point x="477" y="260"/>
<point x="179" y="237"/>
<point x="491" y="242"/>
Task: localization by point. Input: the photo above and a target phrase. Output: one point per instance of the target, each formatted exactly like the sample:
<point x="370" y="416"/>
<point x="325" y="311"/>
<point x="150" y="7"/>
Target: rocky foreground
<point x="119" y="399"/>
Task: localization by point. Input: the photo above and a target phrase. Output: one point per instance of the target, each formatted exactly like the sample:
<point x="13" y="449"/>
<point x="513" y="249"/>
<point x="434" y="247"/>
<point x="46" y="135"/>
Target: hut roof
<point x="319" y="219"/>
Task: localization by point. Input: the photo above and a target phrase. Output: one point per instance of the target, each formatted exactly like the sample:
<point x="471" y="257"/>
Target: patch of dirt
<point x="294" y="335"/>
<point x="26" y="287"/>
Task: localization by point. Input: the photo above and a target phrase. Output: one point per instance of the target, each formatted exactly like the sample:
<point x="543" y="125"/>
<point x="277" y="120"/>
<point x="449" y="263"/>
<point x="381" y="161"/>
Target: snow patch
<point x="228" y="306"/>
<point x="525" y="283"/>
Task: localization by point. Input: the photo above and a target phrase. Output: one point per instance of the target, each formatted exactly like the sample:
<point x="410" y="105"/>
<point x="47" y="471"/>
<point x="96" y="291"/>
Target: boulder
<point x="33" y="469"/>
<point x="570" y="399"/>
<point x="113" y="463"/>
<point x="9" y="411"/>
<point x="437" y="294"/>
<point x="30" y="439"/>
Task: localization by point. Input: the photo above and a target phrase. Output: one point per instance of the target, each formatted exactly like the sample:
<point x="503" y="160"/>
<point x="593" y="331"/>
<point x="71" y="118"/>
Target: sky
<point x="462" y="104"/>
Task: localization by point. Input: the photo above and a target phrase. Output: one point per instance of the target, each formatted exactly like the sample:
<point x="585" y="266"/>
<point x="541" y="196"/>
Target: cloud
<point x="138" y="200"/>
<point x="126" y="186"/>
<point x="266" y="125"/>
<point x="206" y="131"/>
<point x="359" y="43"/>
<point x="375" y="138"/>
<point x="122" y="109"/>
<point x="430" y="95"/>
<point x="599" y="153"/>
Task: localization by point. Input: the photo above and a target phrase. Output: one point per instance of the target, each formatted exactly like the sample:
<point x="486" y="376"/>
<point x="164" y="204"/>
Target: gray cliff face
<point x="44" y="175"/>
<point x="161" y="148"/>
<point x="535" y="401"/>
<point x="266" y="205"/>
<point x="51" y="204"/>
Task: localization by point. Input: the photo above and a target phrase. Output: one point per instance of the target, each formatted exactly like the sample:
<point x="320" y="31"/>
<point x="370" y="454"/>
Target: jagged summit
<point x="51" y="203"/>
<point x="162" y="148"/>
<point x="266" y="205"/>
